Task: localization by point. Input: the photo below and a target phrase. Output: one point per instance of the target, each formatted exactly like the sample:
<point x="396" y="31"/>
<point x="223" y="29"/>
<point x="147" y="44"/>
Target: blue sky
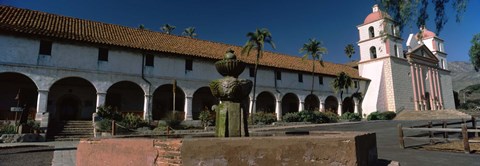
<point x="291" y="23"/>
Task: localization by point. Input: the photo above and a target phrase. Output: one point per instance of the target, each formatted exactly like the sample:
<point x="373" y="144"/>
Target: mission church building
<point x="64" y="68"/>
<point x="415" y="80"/>
<point x="61" y="68"/>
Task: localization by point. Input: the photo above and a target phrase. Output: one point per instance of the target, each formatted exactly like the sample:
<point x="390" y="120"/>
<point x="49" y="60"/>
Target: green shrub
<point x="132" y="121"/>
<point x="206" y="118"/>
<point x="264" y="118"/>
<point x="172" y="120"/>
<point x="7" y="128"/>
<point x="331" y="117"/>
<point x="32" y="125"/>
<point x="388" y="115"/>
<point x="351" y="116"/>
<point x="105" y="125"/>
<point x="308" y="116"/>
<point x="291" y="117"/>
<point x="107" y="112"/>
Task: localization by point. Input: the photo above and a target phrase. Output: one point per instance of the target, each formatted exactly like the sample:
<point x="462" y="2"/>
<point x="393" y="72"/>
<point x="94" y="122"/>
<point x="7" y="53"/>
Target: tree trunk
<point x="254" y="83"/>
<point x="313" y="74"/>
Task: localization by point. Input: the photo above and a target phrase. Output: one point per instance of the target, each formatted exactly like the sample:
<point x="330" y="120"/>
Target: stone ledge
<point x="317" y="148"/>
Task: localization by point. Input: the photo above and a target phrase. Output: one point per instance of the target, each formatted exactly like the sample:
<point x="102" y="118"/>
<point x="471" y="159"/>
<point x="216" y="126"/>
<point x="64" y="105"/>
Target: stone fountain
<point x="231" y="119"/>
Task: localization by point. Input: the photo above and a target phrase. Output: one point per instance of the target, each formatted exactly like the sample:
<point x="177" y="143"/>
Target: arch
<point x="371" y="32"/>
<point x="331" y="104"/>
<point x="162" y="102"/>
<point x="265" y="102"/>
<point x="312" y="103"/>
<point x="289" y="103"/>
<point x="373" y="52"/>
<point x="17" y="90"/>
<point x="348" y="105"/>
<point x="126" y="97"/>
<point x="202" y="98"/>
<point x="72" y="98"/>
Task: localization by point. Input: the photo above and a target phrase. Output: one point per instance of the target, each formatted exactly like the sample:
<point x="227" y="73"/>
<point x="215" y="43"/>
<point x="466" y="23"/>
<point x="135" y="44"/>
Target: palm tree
<point x="167" y="28"/>
<point x="315" y="49"/>
<point x="349" y="50"/>
<point x="189" y="32"/>
<point x="342" y="82"/>
<point x="256" y="40"/>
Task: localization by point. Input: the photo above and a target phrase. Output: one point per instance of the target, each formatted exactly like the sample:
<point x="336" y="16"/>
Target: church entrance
<point x="348" y="105"/>
<point x="289" y="103"/>
<point x="68" y="107"/>
<point x="331" y="104"/>
<point x="72" y="98"/>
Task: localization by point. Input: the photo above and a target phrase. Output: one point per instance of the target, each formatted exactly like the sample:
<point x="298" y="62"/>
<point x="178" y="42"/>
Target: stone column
<point x="355" y="108"/>
<point x="147" y="107"/>
<point x="415" y="99"/>
<point x="321" y="107"/>
<point x="432" y="89"/>
<point x="42" y="101"/>
<point x="252" y="109"/>
<point x="339" y="110"/>
<point x="188" y="108"/>
<point x="101" y="99"/>
<point x="439" y="90"/>
<point x="435" y="88"/>
<point x="278" y="110"/>
<point x="301" y="106"/>
<point x="423" y="89"/>
<point x="418" y="88"/>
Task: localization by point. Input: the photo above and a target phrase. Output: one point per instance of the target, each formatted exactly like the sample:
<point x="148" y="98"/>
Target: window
<point x="251" y="71"/>
<point x="278" y="75"/>
<point x="300" y="77"/>
<point x="103" y="54"/>
<point x="395" y="48"/>
<point x="320" y="80"/>
<point x="442" y="64"/>
<point x="440" y="47"/>
<point x="392" y="27"/>
<point x="149" y="60"/>
<point x="189" y="64"/>
<point x="355" y="84"/>
<point x="45" y="48"/>
<point x="371" y="32"/>
<point x="373" y="52"/>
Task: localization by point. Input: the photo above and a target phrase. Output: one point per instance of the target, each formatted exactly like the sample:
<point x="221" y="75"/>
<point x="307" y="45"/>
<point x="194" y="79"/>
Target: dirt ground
<point x="454" y="146"/>
<point x="26" y="156"/>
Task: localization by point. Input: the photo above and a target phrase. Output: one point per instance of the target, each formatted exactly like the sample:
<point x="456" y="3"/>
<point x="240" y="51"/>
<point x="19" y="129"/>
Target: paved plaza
<point x="387" y="143"/>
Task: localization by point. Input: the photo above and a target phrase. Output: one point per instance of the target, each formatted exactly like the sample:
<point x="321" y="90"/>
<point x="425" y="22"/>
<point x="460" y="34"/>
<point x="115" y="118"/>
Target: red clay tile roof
<point x="40" y="24"/>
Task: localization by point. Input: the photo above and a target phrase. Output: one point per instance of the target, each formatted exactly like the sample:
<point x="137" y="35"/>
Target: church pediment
<point x="421" y="54"/>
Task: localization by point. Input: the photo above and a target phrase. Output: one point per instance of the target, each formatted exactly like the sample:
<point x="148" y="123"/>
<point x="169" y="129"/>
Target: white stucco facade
<point x="415" y="80"/>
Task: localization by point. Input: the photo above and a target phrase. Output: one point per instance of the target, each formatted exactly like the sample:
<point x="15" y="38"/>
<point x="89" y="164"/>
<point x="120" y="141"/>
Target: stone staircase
<point x="70" y="130"/>
<point x="431" y="115"/>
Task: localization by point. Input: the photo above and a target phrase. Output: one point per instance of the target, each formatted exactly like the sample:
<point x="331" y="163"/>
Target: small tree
<point x="256" y="40"/>
<point x="167" y="28"/>
<point x="189" y="32"/>
<point x="315" y="49"/>
<point x="205" y="118"/>
<point x="474" y="52"/>
<point x="141" y="26"/>
<point x="349" y="50"/>
<point x="342" y="82"/>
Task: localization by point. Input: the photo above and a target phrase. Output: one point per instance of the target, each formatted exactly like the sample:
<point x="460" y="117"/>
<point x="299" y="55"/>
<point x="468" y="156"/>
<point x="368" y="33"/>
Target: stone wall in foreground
<point x="318" y="148"/>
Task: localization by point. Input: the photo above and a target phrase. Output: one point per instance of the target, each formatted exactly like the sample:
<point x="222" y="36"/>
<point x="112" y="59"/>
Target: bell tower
<point x="380" y="45"/>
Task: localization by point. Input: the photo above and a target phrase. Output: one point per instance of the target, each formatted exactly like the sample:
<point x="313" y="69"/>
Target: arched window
<point x="371" y="32"/>
<point x="373" y="52"/>
<point x="392" y="27"/>
<point x="395" y="49"/>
